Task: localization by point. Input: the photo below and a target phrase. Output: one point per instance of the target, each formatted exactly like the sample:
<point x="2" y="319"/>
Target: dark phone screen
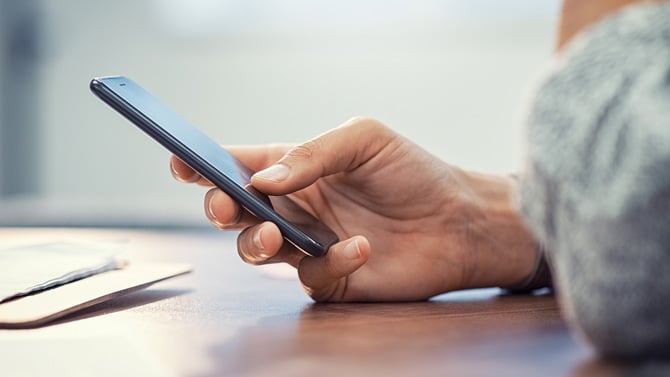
<point x="166" y="124"/>
<point x="180" y="130"/>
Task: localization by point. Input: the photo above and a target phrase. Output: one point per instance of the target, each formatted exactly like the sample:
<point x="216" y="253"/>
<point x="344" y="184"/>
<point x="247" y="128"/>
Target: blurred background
<point x="449" y="74"/>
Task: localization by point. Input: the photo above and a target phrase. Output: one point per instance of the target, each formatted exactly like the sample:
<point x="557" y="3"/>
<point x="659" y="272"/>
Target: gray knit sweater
<point x="596" y="189"/>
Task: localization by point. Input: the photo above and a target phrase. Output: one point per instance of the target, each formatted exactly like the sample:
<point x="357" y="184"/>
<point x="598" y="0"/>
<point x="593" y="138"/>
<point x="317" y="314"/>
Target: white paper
<point x="28" y="269"/>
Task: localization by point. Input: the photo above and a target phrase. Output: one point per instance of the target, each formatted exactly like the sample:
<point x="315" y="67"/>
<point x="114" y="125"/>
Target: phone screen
<point x="213" y="162"/>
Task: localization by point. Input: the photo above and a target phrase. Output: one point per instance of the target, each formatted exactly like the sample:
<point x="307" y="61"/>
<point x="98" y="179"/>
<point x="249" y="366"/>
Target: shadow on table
<point x="495" y="335"/>
<point x="126" y="302"/>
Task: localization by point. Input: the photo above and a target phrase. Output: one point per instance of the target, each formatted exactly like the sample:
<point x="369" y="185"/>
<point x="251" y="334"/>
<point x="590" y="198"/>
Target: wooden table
<point x="231" y="319"/>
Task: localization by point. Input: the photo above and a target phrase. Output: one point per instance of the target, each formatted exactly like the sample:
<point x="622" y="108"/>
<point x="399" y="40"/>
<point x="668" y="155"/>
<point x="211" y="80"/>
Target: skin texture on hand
<point x="411" y="225"/>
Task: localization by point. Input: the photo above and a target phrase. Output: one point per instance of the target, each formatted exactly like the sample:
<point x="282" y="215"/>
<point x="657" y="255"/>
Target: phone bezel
<point x="245" y="198"/>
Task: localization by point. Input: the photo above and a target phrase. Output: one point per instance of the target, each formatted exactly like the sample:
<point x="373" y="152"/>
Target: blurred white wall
<point x="449" y="74"/>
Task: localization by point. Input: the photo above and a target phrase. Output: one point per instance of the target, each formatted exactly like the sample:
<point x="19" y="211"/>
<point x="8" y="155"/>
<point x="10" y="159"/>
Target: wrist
<point x="504" y="250"/>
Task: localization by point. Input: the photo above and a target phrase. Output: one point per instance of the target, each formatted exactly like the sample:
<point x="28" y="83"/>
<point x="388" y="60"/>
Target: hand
<point x="411" y="225"/>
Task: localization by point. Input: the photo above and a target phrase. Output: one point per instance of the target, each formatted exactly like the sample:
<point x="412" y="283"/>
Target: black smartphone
<point x="213" y="162"/>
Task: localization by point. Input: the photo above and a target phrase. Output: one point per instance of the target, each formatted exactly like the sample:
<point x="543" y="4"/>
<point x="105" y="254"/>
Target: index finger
<point x="256" y="157"/>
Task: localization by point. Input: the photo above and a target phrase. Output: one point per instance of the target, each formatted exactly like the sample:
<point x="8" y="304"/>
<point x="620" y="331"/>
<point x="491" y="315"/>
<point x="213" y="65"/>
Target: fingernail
<point x="210" y="209"/>
<point x="275" y="173"/>
<point x="259" y="243"/>
<point x="352" y="251"/>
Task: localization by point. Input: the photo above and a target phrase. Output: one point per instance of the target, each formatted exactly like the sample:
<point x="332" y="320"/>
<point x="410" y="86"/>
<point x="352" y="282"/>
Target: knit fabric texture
<point x="596" y="188"/>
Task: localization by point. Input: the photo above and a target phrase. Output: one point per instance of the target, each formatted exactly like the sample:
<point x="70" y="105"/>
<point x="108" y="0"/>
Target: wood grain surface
<point x="230" y="319"/>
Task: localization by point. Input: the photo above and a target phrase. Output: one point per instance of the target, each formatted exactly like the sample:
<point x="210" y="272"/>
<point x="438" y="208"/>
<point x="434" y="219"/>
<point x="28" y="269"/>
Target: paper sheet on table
<point x="32" y="268"/>
<point x="40" y="283"/>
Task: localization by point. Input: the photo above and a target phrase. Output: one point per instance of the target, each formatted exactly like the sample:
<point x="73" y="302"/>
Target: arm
<point x="597" y="188"/>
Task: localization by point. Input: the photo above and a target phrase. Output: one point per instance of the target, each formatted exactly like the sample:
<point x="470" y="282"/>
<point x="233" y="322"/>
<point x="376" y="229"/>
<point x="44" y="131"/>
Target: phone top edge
<point x="102" y="78"/>
<point x="100" y="86"/>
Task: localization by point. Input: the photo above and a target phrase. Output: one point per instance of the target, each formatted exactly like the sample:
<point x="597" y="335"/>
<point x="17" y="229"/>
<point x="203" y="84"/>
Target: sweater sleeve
<point x="596" y="187"/>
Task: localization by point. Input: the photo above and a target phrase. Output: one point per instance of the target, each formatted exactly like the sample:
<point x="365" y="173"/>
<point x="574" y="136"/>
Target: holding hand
<point x="411" y="225"/>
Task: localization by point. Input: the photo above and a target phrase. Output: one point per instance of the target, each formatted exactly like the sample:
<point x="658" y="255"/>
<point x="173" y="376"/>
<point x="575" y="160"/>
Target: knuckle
<point x="304" y="151"/>
<point x="367" y="125"/>
<point x="359" y="120"/>
<point x="331" y="268"/>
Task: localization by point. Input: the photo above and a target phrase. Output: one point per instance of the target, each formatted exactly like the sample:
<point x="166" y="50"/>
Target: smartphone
<point x="213" y="162"/>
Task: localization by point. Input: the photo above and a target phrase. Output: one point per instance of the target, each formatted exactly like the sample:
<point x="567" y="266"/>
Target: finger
<point x="184" y="173"/>
<point x="342" y="149"/>
<point x="263" y="244"/>
<point x="323" y="276"/>
<point x="258" y="157"/>
<point x="225" y="213"/>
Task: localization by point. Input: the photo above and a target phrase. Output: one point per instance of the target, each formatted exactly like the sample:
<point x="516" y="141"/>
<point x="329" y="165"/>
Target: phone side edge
<point x="300" y="239"/>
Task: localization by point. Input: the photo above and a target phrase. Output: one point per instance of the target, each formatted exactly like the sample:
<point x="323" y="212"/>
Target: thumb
<point x="324" y="278"/>
<point x="342" y="149"/>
